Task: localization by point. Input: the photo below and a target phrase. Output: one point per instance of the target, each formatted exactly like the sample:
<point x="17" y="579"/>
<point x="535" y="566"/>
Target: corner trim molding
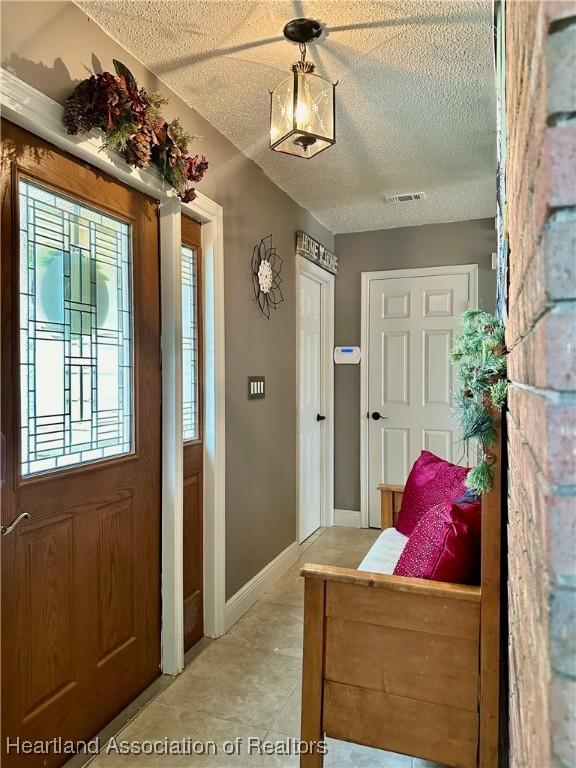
<point x="245" y="598"/>
<point x="214" y="472"/>
<point x="350" y="518"/>
<point x="35" y="112"/>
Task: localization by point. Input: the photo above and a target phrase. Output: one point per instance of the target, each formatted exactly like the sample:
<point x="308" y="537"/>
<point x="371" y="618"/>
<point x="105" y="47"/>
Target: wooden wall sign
<point x="314" y="251"/>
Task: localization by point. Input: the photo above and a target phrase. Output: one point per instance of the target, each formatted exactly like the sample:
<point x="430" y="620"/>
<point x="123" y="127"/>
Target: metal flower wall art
<point x="266" y="268"/>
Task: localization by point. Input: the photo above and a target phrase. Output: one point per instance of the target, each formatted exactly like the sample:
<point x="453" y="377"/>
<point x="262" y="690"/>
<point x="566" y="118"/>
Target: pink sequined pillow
<point x="445" y="545"/>
<point x="431" y="481"/>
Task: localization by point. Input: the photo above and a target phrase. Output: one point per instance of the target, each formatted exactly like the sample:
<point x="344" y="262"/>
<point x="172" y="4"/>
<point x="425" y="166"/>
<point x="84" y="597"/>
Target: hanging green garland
<point x="480" y="355"/>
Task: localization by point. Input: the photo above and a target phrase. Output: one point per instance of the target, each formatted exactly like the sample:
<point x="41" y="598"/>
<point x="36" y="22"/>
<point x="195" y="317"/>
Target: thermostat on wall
<point x="346" y="355"/>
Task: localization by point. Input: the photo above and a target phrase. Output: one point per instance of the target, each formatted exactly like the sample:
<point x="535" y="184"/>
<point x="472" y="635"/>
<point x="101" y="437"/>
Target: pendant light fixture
<point x="302" y="107"/>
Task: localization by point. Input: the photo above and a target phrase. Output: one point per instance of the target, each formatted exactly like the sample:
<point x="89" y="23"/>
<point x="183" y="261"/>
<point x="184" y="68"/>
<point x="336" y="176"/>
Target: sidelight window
<point x="190" y="427"/>
<point x="75" y="332"/>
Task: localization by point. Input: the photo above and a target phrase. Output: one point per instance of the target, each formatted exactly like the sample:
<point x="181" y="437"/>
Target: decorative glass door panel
<point x="75" y="332"/>
<point x="190" y="426"/>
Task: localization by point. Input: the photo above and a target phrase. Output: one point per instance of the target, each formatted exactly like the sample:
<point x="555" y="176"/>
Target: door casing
<point x="326" y="281"/>
<point x="366" y="277"/>
<point x="193" y="455"/>
<point x="30" y="109"/>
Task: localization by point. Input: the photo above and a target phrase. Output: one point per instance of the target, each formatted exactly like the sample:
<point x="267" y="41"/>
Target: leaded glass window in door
<point x="190" y="426"/>
<point x="75" y="332"/>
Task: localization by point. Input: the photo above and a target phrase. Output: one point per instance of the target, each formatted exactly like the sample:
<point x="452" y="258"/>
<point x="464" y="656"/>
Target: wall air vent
<point x="407" y="197"/>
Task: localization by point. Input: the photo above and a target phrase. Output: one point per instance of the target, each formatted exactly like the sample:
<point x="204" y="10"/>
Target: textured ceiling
<point x="415" y="100"/>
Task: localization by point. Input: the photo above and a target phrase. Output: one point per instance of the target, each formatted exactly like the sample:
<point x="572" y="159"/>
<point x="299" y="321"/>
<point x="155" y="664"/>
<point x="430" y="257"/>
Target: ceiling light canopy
<point x="302" y="107"/>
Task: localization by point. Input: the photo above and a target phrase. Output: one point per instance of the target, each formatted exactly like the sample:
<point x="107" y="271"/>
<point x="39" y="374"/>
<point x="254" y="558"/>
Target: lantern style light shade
<point x="302" y="111"/>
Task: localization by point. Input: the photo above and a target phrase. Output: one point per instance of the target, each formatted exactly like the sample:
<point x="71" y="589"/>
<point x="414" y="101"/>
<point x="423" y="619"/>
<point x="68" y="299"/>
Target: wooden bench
<point x="401" y="664"/>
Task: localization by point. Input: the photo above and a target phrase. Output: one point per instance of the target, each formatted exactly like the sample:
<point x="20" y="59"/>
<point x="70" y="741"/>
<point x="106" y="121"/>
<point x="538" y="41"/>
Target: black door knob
<point x="320" y="418"/>
<point x="376" y="415"/>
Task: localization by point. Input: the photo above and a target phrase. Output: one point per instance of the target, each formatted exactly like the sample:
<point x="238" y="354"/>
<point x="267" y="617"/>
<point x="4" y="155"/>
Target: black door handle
<point x="376" y="416"/>
<point x="320" y="418"/>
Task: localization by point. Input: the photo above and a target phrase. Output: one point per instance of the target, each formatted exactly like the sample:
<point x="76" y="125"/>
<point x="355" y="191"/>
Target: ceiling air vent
<point x="407" y="197"/>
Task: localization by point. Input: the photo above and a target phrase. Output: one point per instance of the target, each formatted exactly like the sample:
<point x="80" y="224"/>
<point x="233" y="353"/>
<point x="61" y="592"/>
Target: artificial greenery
<point x="498" y="392"/>
<point x="479" y="479"/>
<point x="480" y="355"/>
<point x="476" y="422"/>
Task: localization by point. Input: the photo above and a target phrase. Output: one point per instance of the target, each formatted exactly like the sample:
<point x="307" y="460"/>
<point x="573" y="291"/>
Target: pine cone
<point x="138" y="150"/>
<point x="79" y="116"/>
<point x="76" y="118"/>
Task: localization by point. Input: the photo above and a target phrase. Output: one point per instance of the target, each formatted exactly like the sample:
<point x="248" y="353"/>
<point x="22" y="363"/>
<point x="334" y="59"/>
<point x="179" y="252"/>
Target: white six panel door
<point x="310" y="449"/>
<point x="413" y="322"/>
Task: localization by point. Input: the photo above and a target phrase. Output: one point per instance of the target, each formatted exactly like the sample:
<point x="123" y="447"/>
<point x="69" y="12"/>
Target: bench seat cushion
<point x="385" y="552"/>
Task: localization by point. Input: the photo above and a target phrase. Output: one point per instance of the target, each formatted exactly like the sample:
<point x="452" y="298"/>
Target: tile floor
<point x="247" y="683"/>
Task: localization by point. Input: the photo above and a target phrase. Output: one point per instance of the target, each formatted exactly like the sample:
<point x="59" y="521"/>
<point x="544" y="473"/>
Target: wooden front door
<point x="192" y="380"/>
<point x="80" y="409"/>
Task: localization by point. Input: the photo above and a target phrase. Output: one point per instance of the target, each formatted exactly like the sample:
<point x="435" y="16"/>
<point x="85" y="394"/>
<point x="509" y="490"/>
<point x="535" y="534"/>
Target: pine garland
<point x="476" y="422"/>
<point x="498" y="393"/>
<point x="480" y="354"/>
<point x="479" y="479"/>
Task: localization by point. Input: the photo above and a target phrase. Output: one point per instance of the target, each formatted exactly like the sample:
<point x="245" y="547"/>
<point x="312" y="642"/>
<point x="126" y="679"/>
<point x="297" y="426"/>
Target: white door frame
<point x="459" y="269"/>
<point x="37" y="113"/>
<point x="326" y="281"/>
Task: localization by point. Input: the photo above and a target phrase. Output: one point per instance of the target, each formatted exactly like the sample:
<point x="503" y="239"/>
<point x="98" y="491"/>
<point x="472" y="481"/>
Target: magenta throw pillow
<point x="431" y="481"/>
<point x="445" y="545"/>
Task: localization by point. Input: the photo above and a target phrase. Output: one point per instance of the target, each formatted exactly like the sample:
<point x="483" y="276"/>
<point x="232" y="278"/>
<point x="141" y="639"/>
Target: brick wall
<point x="541" y="334"/>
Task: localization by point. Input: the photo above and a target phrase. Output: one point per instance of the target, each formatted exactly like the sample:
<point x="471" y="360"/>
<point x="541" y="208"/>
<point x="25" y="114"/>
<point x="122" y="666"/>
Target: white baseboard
<point x="245" y="598"/>
<point x="349" y="517"/>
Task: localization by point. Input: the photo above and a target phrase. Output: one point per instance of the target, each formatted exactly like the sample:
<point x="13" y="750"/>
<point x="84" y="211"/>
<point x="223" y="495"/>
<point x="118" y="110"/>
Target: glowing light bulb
<point x="304" y="111"/>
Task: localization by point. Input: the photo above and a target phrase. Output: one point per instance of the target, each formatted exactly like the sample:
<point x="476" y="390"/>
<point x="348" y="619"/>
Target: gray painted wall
<point x="467" y="242"/>
<point x="53" y="45"/>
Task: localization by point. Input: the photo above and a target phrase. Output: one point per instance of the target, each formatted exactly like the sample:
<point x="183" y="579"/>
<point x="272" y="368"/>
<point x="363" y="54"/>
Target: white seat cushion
<point x="385" y="552"/>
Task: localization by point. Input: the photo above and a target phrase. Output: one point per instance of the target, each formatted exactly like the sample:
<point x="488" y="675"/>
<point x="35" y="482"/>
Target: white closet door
<point x="413" y="322"/>
<point x="310" y="453"/>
